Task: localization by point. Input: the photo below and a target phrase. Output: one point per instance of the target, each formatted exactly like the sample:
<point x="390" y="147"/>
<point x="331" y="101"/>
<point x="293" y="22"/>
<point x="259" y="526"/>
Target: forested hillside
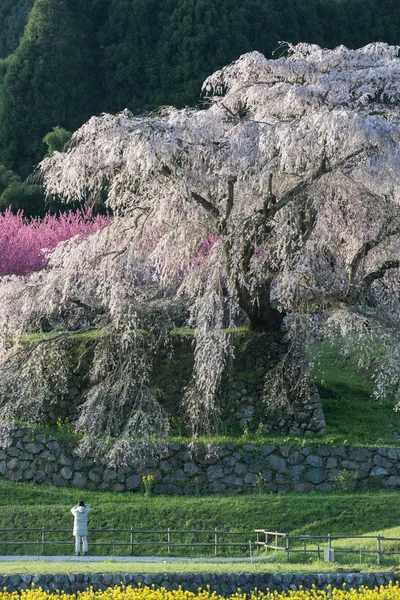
<point x="13" y="18"/>
<point x="48" y="80"/>
<point x="75" y="58"/>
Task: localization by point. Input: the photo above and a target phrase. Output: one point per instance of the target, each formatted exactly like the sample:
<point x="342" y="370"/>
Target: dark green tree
<point x="19" y="195"/>
<point x="13" y="18"/>
<point x="48" y="81"/>
<point x="129" y="39"/>
<point x="56" y="140"/>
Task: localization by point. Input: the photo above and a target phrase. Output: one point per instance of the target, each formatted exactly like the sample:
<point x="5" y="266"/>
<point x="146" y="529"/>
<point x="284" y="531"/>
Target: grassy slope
<point x="352" y="416"/>
<point x="27" y="505"/>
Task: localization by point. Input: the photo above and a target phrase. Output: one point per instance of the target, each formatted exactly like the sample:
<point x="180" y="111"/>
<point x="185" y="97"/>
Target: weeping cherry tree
<point x="277" y="200"/>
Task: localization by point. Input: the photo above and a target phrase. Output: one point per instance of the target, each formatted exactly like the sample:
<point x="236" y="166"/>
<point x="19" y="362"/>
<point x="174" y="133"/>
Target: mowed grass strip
<point x="113" y="566"/>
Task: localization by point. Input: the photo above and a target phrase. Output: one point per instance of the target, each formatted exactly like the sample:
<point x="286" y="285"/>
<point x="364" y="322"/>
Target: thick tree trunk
<point x="262" y="316"/>
<point x="290" y="402"/>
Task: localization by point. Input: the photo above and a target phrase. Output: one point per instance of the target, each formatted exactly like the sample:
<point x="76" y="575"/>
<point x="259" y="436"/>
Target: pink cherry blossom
<point x="25" y="243"/>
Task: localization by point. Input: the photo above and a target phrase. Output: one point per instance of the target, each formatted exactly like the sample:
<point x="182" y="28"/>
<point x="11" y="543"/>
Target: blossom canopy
<point x="278" y="200"/>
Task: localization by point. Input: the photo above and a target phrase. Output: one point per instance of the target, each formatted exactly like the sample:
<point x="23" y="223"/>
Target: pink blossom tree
<point x="25" y="243"/>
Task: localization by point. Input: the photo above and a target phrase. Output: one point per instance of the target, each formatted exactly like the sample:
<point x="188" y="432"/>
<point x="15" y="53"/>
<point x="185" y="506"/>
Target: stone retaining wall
<point x="222" y="583"/>
<point x="232" y="468"/>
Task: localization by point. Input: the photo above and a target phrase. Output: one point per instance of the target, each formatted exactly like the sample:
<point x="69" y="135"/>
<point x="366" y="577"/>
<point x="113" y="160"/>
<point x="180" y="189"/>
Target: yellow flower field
<point x="387" y="592"/>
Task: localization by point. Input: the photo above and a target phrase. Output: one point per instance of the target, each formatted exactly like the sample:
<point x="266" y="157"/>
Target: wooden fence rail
<point x="215" y="541"/>
<point x="279" y="541"/>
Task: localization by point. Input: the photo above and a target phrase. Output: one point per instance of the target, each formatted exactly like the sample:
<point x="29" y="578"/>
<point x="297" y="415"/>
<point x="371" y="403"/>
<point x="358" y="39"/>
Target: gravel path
<point x="116" y="559"/>
<point x="150" y="559"/>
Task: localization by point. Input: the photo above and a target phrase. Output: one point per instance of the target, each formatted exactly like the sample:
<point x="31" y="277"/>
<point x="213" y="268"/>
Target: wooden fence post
<point x="287" y="547"/>
<point x="378" y="549"/>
